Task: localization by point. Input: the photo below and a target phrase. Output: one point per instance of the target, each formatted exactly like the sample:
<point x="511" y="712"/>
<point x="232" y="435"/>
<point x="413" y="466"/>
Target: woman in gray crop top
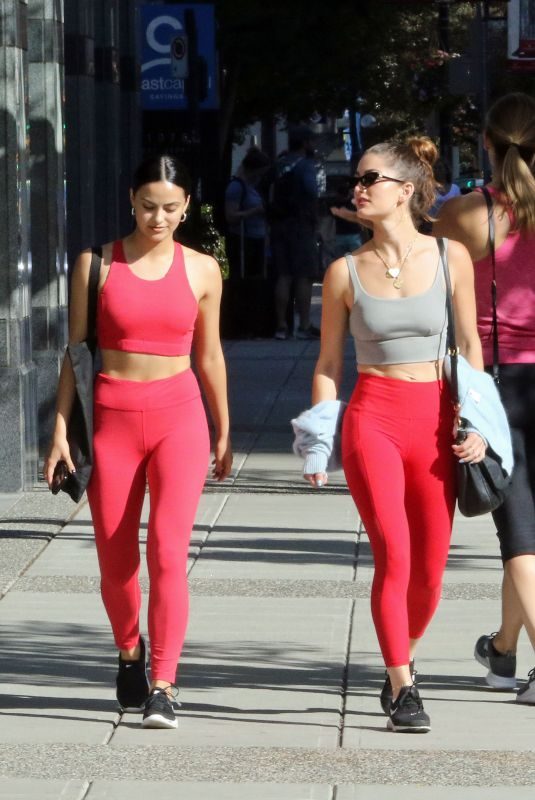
<point x="397" y="435"/>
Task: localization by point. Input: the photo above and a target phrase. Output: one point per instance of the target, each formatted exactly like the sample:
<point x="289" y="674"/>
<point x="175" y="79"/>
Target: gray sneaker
<point x="501" y="666"/>
<point x="526" y="693"/>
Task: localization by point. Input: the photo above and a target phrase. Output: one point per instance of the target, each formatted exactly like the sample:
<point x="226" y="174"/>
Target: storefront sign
<point x="521" y="35"/>
<point x="166" y="62"/>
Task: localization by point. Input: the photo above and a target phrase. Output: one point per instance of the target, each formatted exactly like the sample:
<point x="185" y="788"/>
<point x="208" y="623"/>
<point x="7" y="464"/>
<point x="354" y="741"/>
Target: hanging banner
<point x="167" y="55"/>
<point x="521" y="35"/>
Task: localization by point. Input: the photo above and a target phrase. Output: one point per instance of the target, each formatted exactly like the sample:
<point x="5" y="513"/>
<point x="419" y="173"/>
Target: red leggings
<point x="399" y="465"/>
<point x="155" y="431"/>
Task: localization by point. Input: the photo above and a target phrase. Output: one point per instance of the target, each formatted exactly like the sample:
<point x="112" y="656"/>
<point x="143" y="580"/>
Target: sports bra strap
<point x="353" y="274"/>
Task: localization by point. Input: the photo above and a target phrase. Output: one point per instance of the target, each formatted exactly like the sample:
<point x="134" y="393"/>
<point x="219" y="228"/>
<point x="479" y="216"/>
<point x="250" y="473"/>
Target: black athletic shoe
<point x="501" y="666"/>
<point x="160" y="710"/>
<point x="132" y="682"/>
<point x="308" y="333"/>
<point x="407" y="713"/>
<point x="386" y="692"/>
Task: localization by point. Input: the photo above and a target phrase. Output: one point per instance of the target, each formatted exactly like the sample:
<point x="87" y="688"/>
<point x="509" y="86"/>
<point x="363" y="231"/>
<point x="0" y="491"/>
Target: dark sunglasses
<point x="371" y="177"/>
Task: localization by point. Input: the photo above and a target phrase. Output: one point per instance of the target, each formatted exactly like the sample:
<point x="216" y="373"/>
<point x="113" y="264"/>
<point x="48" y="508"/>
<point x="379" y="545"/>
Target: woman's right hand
<point x="317" y="480"/>
<point x="59" y="451"/>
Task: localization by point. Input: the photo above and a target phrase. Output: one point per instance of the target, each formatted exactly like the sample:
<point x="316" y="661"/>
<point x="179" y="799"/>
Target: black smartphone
<point x="461" y="435"/>
<point x="61" y="473"/>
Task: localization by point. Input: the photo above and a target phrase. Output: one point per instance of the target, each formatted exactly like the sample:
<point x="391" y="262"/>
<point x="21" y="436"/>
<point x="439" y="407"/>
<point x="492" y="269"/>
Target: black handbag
<point x="481" y="487"/>
<point x="80" y="425"/>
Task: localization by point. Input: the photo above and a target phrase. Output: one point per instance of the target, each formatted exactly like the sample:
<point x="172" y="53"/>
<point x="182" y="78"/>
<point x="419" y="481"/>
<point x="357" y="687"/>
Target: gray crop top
<point x="399" y="330"/>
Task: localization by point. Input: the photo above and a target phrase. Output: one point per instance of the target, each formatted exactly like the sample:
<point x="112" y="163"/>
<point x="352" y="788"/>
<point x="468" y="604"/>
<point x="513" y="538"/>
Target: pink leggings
<point x="153" y="431"/>
<point x="399" y="465"/>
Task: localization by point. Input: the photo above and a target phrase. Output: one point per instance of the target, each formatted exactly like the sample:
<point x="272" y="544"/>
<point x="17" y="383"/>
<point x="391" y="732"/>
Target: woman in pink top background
<point x="509" y="138"/>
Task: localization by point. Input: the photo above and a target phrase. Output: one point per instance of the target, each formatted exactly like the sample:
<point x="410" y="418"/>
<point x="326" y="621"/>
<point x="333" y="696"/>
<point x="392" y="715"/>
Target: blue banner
<point x="165" y="56"/>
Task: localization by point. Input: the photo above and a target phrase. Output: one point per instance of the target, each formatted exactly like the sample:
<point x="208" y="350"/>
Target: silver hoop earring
<point x="133" y="211"/>
<point x="184" y="217"/>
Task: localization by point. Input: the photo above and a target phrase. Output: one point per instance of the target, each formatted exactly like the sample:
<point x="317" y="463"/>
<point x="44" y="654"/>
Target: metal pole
<point x="444" y="115"/>
<point x="482" y="18"/>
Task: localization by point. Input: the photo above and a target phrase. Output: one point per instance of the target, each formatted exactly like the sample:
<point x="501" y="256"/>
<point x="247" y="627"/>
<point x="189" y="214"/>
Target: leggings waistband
<point x="127" y="395"/>
<point x="401" y="399"/>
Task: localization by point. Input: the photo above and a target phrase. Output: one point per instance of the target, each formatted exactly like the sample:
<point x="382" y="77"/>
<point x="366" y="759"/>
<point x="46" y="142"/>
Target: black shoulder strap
<point x="452" y="344"/>
<point x="493" y="291"/>
<point x="92" y="296"/>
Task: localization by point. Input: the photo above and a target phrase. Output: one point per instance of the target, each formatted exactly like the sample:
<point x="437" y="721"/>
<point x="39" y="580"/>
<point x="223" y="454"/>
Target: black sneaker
<point x="308" y="333"/>
<point x="160" y="710"/>
<point x="386" y="691"/>
<point x="501" y="666"/>
<point x="526" y="694"/>
<point x="132" y="682"/>
<point x="282" y="334"/>
<point x="407" y="713"/>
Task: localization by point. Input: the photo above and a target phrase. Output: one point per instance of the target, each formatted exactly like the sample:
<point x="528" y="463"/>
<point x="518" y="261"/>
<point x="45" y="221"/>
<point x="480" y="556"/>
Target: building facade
<point x="70" y="134"/>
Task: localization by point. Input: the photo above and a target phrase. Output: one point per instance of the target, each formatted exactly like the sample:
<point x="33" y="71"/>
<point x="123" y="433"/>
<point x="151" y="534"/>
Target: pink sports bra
<point x="135" y="315"/>
<point x="515" y="281"/>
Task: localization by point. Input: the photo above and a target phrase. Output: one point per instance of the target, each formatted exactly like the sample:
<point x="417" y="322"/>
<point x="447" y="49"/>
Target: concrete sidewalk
<point x="281" y="672"/>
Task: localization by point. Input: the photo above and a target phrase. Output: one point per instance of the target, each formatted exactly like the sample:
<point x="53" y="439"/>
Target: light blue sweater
<point x="318" y="436"/>
<point x="482" y="409"/>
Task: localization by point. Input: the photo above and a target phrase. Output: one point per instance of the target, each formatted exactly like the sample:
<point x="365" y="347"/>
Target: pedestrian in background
<point x="446" y="189"/>
<point x="398" y="450"/>
<point x="294" y="245"/>
<point x="509" y="138"/>
<point x="248" y="306"/>
<point x="349" y="234"/>
<point x="155" y="297"/>
<point x="245" y="213"/>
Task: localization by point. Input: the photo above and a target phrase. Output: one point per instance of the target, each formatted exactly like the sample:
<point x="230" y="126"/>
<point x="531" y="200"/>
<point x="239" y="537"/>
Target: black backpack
<point x="286" y="192"/>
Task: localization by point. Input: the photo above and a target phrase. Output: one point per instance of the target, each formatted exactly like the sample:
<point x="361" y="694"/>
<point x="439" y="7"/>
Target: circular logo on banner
<point x="155" y="42"/>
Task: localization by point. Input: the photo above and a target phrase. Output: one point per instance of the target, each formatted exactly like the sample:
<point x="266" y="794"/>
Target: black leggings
<point x="515" y="519"/>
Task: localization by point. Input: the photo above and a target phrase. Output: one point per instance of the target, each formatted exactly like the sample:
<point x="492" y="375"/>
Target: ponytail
<point x="510" y="129"/>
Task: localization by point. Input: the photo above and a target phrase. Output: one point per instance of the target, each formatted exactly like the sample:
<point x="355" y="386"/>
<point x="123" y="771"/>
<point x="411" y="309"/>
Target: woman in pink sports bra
<point x="510" y="141"/>
<point x="155" y="298"/>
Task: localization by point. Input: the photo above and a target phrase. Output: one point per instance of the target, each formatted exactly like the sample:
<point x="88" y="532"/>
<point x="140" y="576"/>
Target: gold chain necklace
<point x="393" y="273"/>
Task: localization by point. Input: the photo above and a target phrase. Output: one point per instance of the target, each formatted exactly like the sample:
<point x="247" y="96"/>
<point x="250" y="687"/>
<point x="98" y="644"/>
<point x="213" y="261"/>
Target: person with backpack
<point x="293" y="213"/>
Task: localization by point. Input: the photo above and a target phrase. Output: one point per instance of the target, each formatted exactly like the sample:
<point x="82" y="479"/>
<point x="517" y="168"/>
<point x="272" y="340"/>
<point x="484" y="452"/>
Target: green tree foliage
<point x="294" y="58"/>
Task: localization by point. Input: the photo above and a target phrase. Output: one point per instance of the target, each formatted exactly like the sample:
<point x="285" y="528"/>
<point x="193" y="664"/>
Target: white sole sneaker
<point x="526" y="693"/>
<point x="158" y="721"/>
<point x="491" y="679"/>
<point x="497" y="682"/>
<point x="407" y="728"/>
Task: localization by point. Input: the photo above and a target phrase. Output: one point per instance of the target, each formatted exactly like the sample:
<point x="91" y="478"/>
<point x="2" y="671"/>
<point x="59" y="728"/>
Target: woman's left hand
<point x="471" y="450"/>
<point x="222" y="463"/>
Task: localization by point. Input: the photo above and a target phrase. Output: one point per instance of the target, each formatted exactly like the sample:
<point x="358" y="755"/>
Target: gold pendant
<point x="397" y="282"/>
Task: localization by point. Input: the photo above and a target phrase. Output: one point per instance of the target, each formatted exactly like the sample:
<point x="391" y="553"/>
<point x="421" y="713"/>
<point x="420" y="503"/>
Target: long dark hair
<point x="162" y="168"/>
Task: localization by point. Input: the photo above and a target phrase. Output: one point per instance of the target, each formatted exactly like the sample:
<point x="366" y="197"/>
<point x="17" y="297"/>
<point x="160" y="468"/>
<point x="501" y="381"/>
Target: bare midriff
<point x="420" y="372"/>
<point x="142" y="366"/>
